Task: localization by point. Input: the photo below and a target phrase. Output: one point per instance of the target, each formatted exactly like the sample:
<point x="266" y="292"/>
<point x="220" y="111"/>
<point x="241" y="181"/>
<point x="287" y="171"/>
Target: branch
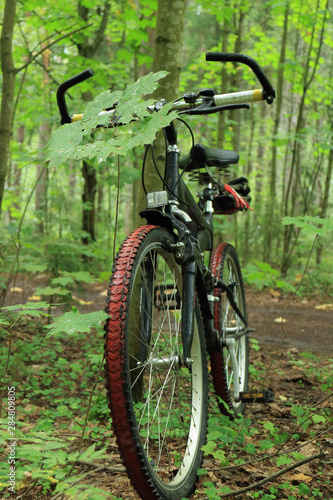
<point x="273" y="476"/>
<point x="293" y="431"/>
<point x="47" y="70"/>
<point x="97" y="466"/>
<point x="32" y="58"/>
<point x="277" y="454"/>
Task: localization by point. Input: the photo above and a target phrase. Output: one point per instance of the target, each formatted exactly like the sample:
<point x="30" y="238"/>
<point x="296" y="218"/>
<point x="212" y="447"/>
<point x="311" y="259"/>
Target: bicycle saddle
<point x="201" y="156"/>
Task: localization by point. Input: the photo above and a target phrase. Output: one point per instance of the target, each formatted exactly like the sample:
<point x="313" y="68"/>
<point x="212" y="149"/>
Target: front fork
<point x="188" y="302"/>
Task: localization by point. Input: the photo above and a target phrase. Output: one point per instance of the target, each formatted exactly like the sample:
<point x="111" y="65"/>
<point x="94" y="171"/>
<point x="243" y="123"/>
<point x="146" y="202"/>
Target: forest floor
<point x="295" y="360"/>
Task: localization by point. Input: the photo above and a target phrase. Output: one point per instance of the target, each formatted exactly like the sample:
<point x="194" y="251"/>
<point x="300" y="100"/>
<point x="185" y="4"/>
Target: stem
<point x="271" y="478"/>
<point x="117" y="213"/>
<point x="89" y="406"/>
<point x="6" y="370"/>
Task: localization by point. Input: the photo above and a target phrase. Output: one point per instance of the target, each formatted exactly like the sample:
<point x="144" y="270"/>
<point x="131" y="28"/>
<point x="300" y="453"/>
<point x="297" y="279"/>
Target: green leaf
<point x="318" y="419"/>
<point x="250" y="448"/>
<point x="63" y="281"/>
<point x="266" y="444"/>
<point x="30" y="308"/>
<point x="209" y="447"/>
<point x="91" y="454"/>
<point x="84" y="276"/>
<point x="309" y="224"/>
<point x="49" y="290"/>
<point x="63" y="143"/>
<point x="283" y="460"/>
<point x="74" y="322"/>
<point x="34" y="268"/>
<point x="270" y="427"/>
<point x="303" y="489"/>
<point x="264" y="266"/>
<point x="76" y="141"/>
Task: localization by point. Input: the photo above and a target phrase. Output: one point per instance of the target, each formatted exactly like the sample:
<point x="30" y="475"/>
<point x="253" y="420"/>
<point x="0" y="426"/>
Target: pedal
<point x="257" y="397"/>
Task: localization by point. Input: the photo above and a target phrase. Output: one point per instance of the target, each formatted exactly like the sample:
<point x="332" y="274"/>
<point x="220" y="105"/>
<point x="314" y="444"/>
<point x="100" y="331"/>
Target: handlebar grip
<point x="269" y="92"/>
<point x="74" y="80"/>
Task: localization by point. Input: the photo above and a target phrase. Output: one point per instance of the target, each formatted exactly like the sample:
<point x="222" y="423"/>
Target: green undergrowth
<point x="54" y="376"/>
<point x="260" y="442"/>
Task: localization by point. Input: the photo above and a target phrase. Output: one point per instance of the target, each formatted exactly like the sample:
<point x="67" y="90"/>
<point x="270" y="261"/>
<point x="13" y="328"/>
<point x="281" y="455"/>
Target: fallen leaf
<point x="324" y="307"/>
<point x="280" y="320"/>
<point x="16" y="289"/>
<point x="300" y="478"/>
<point x="278" y="410"/>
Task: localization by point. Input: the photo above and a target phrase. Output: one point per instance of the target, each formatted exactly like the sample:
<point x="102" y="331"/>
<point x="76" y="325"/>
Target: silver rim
<point x="232" y="326"/>
<point x="168" y="406"/>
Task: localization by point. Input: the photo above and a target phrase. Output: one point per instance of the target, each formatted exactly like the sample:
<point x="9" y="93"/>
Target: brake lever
<point x="204" y="110"/>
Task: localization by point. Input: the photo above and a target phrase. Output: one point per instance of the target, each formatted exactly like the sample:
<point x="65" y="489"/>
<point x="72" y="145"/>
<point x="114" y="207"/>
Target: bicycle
<point x="168" y="309"/>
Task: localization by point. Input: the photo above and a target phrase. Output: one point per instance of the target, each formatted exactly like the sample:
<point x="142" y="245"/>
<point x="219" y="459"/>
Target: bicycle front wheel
<point x="158" y="405"/>
<point x="230" y="363"/>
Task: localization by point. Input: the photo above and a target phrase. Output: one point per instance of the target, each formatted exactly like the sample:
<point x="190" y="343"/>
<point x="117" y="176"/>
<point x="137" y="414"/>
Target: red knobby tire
<point x="225" y="266"/>
<point x="158" y="405"/>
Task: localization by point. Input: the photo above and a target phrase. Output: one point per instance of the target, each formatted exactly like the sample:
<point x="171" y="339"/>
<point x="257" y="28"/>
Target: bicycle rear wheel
<point x="158" y="405"/>
<point x="230" y="363"/>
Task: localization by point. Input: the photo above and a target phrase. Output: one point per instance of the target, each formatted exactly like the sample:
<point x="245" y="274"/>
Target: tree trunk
<point x="294" y="184"/>
<point x="225" y="79"/>
<point x="167" y="56"/>
<point x="88" y="48"/>
<point x="14" y="180"/>
<point x="8" y="89"/>
<point x="44" y="136"/>
<point x="41" y="187"/>
<point x="88" y="198"/>
<point x="269" y="231"/>
<point x="235" y="115"/>
<point x="324" y="203"/>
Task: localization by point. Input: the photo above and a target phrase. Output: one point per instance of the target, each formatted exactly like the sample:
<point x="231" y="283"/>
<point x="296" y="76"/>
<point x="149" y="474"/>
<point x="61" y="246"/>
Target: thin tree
<point x="8" y="90"/>
<point x="278" y="108"/>
<point x="294" y="181"/>
<point x="88" y="47"/>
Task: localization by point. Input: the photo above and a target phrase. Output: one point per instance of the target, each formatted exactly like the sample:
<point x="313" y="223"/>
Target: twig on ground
<point x="271" y="478"/>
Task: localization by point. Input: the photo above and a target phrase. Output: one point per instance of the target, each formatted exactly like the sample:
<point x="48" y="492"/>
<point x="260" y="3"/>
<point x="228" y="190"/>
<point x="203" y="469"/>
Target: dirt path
<point x="304" y="326"/>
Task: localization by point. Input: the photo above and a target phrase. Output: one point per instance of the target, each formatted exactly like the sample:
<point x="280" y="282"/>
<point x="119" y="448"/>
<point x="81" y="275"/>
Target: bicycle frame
<point x="193" y="236"/>
<point x="191" y="244"/>
<point x="168" y="313"/>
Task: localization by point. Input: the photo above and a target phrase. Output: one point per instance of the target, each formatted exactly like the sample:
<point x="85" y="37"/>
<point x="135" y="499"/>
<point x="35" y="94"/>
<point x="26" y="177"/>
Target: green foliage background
<point x="41" y="224"/>
<point x="48" y="53"/>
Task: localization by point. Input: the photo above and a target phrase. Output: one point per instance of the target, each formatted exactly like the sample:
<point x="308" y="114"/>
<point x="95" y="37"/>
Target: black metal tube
<point x="189" y="276"/>
<point x="269" y="92"/>
<point x="74" y="80"/>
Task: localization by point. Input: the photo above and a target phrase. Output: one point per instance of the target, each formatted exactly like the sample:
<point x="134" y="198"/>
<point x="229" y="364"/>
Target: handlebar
<point x="81" y="77"/>
<point x="269" y="92"/>
<point x="202" y="103"/>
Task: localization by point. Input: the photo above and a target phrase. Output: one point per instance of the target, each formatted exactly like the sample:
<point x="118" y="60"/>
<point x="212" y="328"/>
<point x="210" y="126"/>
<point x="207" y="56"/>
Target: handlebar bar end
<point x="65" y="116"/>
<point x="269" y="92"/>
